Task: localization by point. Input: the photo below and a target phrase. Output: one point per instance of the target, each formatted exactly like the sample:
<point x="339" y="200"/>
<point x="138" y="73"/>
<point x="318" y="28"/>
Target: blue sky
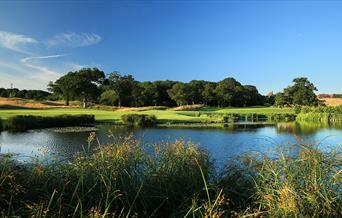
<point x="263" y="43"/>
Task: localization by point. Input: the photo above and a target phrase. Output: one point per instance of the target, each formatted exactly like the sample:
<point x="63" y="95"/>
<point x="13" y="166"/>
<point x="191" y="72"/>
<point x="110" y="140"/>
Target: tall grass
<point x="23" y="123"/>
<point x="176" y="179"/>
<point x="123" y="179"/>
<point x="321" y="114"/>
<point x="247" y="117"/>
<point x="305" y="185"/>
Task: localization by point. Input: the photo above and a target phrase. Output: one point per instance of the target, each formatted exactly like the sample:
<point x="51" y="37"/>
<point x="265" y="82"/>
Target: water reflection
<point x="223" y="142"/>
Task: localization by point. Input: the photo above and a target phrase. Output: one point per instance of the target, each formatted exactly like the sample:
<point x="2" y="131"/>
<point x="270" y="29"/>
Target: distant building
<point x="325" y="96"/>
<point x="270" y="94"/>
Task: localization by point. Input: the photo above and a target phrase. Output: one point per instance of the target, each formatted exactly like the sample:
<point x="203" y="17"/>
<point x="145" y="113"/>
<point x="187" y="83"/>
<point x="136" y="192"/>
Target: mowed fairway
<point x="162" y="115"/>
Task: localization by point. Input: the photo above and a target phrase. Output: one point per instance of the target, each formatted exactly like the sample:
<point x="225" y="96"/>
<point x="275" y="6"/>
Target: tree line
<point x="91" y="85"/>
<point x="115" y="89"/>
<point x="26" y="94"/>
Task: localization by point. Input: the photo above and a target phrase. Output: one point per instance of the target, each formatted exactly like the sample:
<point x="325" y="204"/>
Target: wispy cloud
<point x="24" y="60"/>
<point x="33" y="69"/>
<point x="73" y="40"/>
<point x="15" y="42"/>
<point x="43" y="69"/>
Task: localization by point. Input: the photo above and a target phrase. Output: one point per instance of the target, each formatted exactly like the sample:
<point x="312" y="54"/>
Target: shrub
<point x="142" y="120"/>
<point x="23" y="122"/>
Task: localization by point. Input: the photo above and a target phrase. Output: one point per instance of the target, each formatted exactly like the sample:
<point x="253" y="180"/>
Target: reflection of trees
<point x="304" y="128"/>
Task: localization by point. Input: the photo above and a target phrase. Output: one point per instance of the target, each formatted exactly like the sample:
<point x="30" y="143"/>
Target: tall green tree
<point x="251" y="96"/>
<point x="83" y="85"/>
<point x="109" y="97"/>
<point x="196" y="88"/>
<point x="209" y="94"/>
<point x="87" y="84"/>
<point x="180" y="93"/>
<point x="302" y="92"/>
<point x="123" y="86"/>
<point x="227" y="92"/>
<point x="64" y="87"/>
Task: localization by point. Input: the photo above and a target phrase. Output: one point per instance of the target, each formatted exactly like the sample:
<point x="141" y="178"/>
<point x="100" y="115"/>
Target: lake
<point x="222" y="142"/>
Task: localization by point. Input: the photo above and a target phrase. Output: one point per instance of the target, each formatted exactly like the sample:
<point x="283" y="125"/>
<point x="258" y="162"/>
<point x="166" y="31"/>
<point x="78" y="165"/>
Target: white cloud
<point x="45" y="72"/>
<point x="35" y="70"/>
<point x="24" y="60"/>
<point x="15" y="42"/>
<point x="73" y="40"/>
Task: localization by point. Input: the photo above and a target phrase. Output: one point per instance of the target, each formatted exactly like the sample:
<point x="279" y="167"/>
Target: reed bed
<point x="246" y="117"/>
<point x="177" y="179"/>
<point x="321" y="114"/>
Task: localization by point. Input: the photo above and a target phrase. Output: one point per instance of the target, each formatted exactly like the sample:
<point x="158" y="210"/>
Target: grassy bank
<point x="172" y="180"/>
<point x="163" y="116"/>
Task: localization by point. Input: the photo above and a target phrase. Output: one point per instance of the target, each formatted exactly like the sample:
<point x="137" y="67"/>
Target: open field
<point x="26" y="103"/>
<point x="332" y="101"/>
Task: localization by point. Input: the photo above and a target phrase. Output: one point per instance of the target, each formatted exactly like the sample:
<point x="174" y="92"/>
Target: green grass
<point x="162" y="115"/>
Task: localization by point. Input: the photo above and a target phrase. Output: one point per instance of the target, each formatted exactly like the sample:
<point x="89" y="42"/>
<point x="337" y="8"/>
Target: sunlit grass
<point x="162" y="115"/>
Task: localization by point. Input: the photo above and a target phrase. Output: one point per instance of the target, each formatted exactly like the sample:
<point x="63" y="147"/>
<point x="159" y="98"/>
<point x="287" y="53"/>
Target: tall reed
<point x="128" y="179"/>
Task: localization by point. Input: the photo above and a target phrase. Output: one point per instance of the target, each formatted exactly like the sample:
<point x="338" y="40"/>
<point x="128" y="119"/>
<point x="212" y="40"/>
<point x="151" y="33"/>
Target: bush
<point x="23" y="122"/>
<point x="141" y="120"/>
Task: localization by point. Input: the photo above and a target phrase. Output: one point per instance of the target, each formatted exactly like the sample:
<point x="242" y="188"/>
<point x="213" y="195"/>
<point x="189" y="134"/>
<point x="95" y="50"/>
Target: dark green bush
<point x="23" y="122"/>
<point x="142" y="120"/>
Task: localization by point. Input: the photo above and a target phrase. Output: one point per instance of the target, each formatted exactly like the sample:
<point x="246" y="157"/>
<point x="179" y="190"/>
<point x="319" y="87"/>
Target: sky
<point x="263" y="43"/>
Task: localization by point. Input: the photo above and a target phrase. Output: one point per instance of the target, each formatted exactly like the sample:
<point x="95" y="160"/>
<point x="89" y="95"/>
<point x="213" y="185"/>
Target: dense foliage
<point x="302" y="92"/>
<point x="176" y="179"/>
<point x="26" y="94"/>
<point x="26" y="122"/>
<point x="83" y="85"/>
<point x="124" y="90"/>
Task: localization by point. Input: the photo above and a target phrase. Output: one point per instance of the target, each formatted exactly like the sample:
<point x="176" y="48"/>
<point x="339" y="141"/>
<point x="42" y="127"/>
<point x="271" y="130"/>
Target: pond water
<point x="222" y="142"/>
